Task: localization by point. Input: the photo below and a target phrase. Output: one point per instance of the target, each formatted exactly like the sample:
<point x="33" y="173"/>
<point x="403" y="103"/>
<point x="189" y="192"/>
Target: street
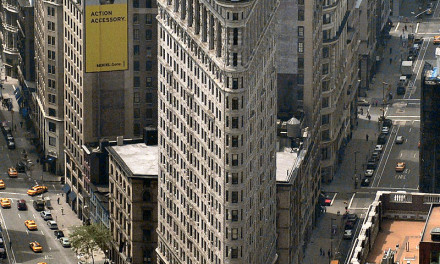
<point x="17" y="237"/>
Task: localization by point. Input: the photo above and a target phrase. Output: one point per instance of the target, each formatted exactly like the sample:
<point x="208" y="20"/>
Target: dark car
<point x="352" y="217"/>
<point x="375" y="155"/>
<point x="58" y="234"/>
<point x="21" y="205"/>
<point x="20" y="167"/>
<point x="365" y="182"/>
<point x="400" y="90"/>
<point x="387" y="123"/>
<point x="2" y="253"/>
<point x="382" y="139"/>
<point x="371" y="165"/>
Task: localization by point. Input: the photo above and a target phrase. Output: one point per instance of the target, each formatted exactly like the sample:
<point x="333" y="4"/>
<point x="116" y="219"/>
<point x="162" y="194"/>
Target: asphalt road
<point x="12" y="220"/>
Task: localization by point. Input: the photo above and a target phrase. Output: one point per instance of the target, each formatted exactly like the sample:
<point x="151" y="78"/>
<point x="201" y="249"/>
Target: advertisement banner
<point x="106" y="35"/>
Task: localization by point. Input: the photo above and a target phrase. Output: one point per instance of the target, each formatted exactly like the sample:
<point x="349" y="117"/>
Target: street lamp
<point x="383" y="99"/>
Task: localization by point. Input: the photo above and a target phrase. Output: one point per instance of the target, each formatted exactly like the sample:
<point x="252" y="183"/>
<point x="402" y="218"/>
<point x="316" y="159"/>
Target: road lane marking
<point x="42" y="232"/>
<point x="9" y="239"/>
<point x="389" y="153"/>
<point x="415" y="155"/>
<point x="409" y="131"/>
<point x="351" y="200"/>
<point x="27" y="232"/>
<point x="397" y="27"/>
<point x="19" y="216"/>
<point x="33" y="215"/>
<point x="417" y="27"/>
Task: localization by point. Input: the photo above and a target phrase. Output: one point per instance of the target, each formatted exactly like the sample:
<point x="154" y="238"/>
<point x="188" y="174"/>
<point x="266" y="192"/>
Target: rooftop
<point x="287" y="162"/>
<point x="397" y="232"/>
<point x="432" y="222"/>
<point x="140" y="159"/>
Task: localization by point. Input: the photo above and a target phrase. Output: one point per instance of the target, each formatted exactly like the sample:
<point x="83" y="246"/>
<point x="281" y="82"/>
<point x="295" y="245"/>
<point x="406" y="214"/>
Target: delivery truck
<point x="406" y="68"/>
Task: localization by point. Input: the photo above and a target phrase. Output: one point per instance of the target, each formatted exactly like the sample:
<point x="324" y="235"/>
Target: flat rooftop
<point x="432" y="222"/>
<point x="139" y="158"/>
<point x="286" y="162"/>
<point x="397" y="232"/>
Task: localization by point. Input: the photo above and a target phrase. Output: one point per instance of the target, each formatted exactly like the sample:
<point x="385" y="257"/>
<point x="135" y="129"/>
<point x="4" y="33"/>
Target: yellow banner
<point x="106" y="36"/>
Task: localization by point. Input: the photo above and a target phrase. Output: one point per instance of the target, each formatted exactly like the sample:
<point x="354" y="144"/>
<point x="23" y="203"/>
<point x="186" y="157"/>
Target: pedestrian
<point x="366" y="136"/>
<point x="400" y="37"/>
<point x="406" y="28"/>
<point x="391" y="60"/>
<point x="369" y="117"/>
<point x="58" y="200"/>
<point x="362" y="111"/>
<point x="391" y="50"/>
<point x="62" y="211"/>
<point x="21" y="124"/>
<point x="320" y="251"/>
<point x="328" y="253"/>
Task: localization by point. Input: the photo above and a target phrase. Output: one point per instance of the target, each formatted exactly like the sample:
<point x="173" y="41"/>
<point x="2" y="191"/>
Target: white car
<point x="378" y="148"/>
<point x="369" y="173"/>
<point x="46" y="215"/>
<point x="385" y="130"/>
<point x="52" y="224"/>
<point x="65" y="242"/>
<point x="348" y="234"/>
<point x="400" y="139"/>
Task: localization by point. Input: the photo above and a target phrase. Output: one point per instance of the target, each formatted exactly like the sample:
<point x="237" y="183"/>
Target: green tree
<point x="87" y="239"/>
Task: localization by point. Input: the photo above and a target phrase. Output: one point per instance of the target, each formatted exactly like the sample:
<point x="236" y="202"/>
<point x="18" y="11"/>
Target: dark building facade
<point x="429" y="180"/>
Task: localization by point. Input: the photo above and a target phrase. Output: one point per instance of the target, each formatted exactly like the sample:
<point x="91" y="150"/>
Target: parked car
<point x="375" y="155"/>
<point x="46" y="215"/>
<point x="371" y="165"/>
<point x="378" y="148"/>
<point x="365" y="182"/>
<point x="352" y="217"/>
<point x="38" y="205"/>
<point x="385" y="130"/>
<point x="52" y="224"/>
<point x="369" y="173"/>
<point x="58" y="234"/>
<point x="382" y="139"/>
<point x="65" y="242"/>
<point x="348" y="234"/>
<point x="20" y="167"/>
<point x="387" y="123"/>
<point x="363" y="102"/>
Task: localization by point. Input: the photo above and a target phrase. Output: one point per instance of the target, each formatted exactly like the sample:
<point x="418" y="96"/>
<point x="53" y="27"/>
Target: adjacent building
<point x="9" y="36"/>
<point x="48" y="100"/>
<point x="340" y="81"/>
<point x="297" y="203"/>
<point x="217" y="132"/>
<point x="133" y="173"/>
<point x="429" y="156"/>
<point x="25" y="23"/>
<point x="105" y="104"/>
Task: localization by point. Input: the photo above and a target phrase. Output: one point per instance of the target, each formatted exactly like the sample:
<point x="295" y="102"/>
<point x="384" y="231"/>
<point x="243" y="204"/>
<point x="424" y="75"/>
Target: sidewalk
<point x="357" y="152"/>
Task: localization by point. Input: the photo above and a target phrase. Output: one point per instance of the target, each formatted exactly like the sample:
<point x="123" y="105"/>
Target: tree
<point x="87" y="239"/>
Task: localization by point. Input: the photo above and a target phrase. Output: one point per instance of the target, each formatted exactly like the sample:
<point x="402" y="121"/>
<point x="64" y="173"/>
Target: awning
<point x="72" y="196"/>
<point x="66" y="188"/>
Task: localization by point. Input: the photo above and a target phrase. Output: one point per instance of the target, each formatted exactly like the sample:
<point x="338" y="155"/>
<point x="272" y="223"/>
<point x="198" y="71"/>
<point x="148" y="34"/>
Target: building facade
<point x="106" y="104"/>
<point x="217" y="131"/>
<point x="26" y="65"/>
<point x="133" y="171"/>
<point x="9" y="36"/>
<point x="339" y="81"/>
<point x="429" y="180"/>
<point x="49" y="96"/>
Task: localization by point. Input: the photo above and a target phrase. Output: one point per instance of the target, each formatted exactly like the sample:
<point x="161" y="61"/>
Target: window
<point x="234" y="159"/>
<point x="234" y="59"/>
<point x="300" y="79"/>
<point x="149" y="82"/>
<point x="136" y="81"/>
<point x="234" y="253"/>
<point x="325" y="68"/>
<point x="146" y="215"/>
<point x="325" y="102"/>
<point x="325" y="52"/>
<point x="234" y="179"/>
<point x="325" y="85"/>
<point x="146" y="235"/>
<point x="235" y="141"/>
<point x="50" y="26"/>
<point x="135" y="19"/>
<point x="51" y="40"/>
<point x="324" y="154"/>
<point x="52" y="112"/>
<point x="234" y="83"/>
<point x="50" y="11"/>
<point x="327" y="34"/>
<point x="135" y="3"/>
<point x="51" y="54"/>
<point x="300" y="94"/>
<point x="136" y="113"/>
<point x="300" y="63"/>
<point x="234" y="103"/>
<point x="136" y="49"/>
<point x="136" y="34"/>
<point x="148" y="4"/>
<point x="52" y="98"/>
<point x="301" y="31"/>
<point x="51" y="83"/>
<point x="52" y="141"/>
<point x="327" y="19"/>
<point x="234" y="215"/>
<point x="235" y="37"/>
<point x="149" y="98"/>
<point x="51" y="69"/>
<point x="148" y="34"/>
<point x="234" y="234"/>
<point x="325" y="119"/>
<point x="52" y="127"/>
<point x="300" y="15"/>
<point x="149" y="52"/>
<point x="234" y="122"/>
<point x="149" y="113"/>
<point x="300" y="2"/>
<point x="300" y="47"/>
<point x="234" y="16"/>
<point x="136" y="65"/>
<point x="136" y="97"/>
<point x="148" y="65"/>
<point x="325" y="135"/>
<point x="234" y="197"/>
<point x="148" y="19"/>
<point x="146" y="196"/>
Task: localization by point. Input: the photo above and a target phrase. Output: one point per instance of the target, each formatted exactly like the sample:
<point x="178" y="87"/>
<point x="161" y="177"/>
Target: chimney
<point x="120" y="140"/>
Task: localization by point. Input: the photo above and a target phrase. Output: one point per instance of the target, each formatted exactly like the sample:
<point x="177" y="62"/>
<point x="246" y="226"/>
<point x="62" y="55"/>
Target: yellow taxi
<point x="12" y="172"/>
<point x="436" y="40"/>
<point x="42" y="263"/>
<point x="5" y="203"/>
<point x="30" y="224"/>
<point x="400" y="167"/>
<point x="2" y="184"/>
<point x="37" y="189"/>
<point x="36" y="247"/>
